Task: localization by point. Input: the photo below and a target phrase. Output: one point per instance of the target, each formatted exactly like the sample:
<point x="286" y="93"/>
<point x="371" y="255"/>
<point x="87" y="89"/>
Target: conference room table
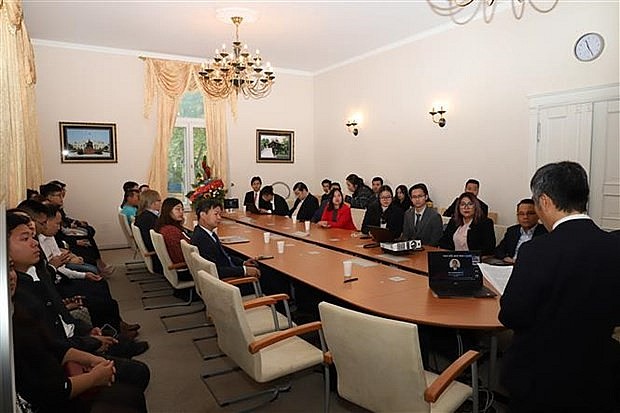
<point x="344" y="240"/>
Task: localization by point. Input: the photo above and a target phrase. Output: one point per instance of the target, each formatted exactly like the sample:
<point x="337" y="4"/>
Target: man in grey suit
<point x="422" y="222"/>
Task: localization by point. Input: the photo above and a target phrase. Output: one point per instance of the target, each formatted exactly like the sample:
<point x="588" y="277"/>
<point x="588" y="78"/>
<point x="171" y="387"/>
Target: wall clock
<point x="589" y="46"/>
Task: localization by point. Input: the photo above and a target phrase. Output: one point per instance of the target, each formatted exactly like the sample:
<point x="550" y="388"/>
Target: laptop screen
<point x="453" y="266"/>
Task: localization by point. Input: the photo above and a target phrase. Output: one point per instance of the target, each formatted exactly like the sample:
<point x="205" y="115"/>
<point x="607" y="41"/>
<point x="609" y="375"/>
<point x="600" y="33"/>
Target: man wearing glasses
<point x="422" y="222"/>
<point x="516" y="235"/>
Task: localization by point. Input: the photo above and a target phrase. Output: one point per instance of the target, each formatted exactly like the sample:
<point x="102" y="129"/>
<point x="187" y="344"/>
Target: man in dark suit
<point x="250" y="201"/>
<point x="305" y="204"/>
<point x="271" y="203"/>
<point x="562" y="303"/>
<point x="422" y="222"/>
<point x="516" y="235"/>
<point x="473" y="187"/>
<point x="209" y="214"/>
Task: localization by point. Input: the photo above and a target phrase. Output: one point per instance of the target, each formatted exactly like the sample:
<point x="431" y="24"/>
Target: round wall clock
<point x="589" y="46"/>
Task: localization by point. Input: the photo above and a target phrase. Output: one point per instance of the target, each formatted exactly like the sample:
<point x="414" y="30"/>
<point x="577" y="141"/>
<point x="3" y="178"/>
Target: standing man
<point x="305" y="205"/>
<point x="473" y="187"/>
<point x="516" y="235"/>
<point x="252" y="197"/>
<point x="422" y="222"/>
<point x="562" y="304"/>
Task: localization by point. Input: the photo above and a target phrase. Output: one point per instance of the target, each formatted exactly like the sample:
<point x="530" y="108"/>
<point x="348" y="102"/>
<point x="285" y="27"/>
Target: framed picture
<point x="87" y="142"/>
<point x="275" y="146"/>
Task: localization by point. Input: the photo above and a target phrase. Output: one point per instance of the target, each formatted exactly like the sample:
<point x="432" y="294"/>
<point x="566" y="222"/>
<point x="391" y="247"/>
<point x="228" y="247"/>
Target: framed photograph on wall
<point x="275" y="146"/>
<point x="87" y="142"/>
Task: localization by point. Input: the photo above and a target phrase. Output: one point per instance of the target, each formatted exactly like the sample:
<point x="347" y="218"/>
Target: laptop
<point x="456" y="274"/>
<point x="379" y="235"/>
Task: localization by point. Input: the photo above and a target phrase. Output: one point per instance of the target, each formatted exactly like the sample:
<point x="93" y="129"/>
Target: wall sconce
<point x="442" y="121"/>
<point x="352" y="127"/>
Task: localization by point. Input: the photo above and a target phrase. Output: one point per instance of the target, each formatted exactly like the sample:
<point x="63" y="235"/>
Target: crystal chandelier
<point x="237" y="71"/>
<point x="463" y="11"/>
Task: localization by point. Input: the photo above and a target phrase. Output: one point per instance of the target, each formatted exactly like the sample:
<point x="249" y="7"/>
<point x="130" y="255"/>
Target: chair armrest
<point x="266" y="300"/>
<point x="437" y="387"/>
<point x="149" y="254"/>
<point x="328" y="358"/>
<point x="258" y="345"/>
<point x="239" y="280"/>
<point x="178" y="266"/>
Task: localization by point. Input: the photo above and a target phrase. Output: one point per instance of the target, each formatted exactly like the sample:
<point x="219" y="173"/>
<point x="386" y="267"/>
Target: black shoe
<point x="128" y="349"/>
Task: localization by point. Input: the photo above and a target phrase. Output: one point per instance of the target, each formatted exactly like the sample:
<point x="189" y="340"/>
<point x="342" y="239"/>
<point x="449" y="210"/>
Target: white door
<point x="582" y="126"/>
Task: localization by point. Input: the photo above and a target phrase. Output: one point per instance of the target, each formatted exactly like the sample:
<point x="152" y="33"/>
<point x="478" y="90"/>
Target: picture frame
<point x="275" y="146"/>
<point x="87" y="142"/>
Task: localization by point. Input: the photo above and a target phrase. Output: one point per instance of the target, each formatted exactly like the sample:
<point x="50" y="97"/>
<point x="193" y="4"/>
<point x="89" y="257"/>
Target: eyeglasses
<point x="385" y="197"/>
<point x="417" y="196"/>
<point x="466" y="205"/>
<point x="525" y="214"/>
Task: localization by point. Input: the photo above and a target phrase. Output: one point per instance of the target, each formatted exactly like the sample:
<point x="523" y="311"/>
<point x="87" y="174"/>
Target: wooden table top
<point x="409" y="299"/>
<point x="344" y="240"/>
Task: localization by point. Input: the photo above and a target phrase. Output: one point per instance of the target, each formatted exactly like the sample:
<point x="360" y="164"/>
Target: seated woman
<point x="469" y="229"/>
<point x="170" y="226"/>
<point x="385" y="214"/>
<point x="401" y="198"/>
<point x="129" y="207"/>
<point x="362" y="195"/>
<point x="337" y="214"/>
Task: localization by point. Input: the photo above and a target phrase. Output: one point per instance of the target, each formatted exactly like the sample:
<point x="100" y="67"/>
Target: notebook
<point x="379" y="235"/>
<point x="456" y="274"/>
<point x="233" y="239"/>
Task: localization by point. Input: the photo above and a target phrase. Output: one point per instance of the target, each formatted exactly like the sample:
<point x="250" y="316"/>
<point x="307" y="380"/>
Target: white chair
<point x="148" y="262"/>
<point x="358" y="217"/>
<point x="136" y="266"/>
<point x="265" y="358"/>
<point x="500" y="231"/>
<point x="380" y="367"/>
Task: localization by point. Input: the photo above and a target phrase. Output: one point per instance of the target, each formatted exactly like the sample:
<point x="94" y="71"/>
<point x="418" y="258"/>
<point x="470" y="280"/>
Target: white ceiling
<point x="307" y="36"/>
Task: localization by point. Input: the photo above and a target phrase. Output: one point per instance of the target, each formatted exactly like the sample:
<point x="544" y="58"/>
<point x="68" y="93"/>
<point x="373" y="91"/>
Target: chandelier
<point x="463" y="11"/>
<point x="237" y="71"/>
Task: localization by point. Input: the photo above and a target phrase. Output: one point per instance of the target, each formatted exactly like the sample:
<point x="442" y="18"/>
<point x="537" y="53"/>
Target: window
<point x="187" y="146"/>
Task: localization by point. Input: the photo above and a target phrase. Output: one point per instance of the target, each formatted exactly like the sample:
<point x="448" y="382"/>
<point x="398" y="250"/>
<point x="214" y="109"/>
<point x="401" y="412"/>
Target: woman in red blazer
<point x="170" y="226"/>
<point x="337" y="214"/>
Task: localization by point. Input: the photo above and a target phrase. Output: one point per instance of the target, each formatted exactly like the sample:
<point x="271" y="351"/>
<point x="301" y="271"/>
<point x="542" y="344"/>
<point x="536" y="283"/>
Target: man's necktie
<point x="222" y="250"/>
<point x="417" y="220"/>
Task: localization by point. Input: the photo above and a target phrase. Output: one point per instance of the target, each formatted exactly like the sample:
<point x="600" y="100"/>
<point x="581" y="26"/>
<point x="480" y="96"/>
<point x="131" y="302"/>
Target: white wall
<point x="88" y="86"/>
<point x="483" y="74"/>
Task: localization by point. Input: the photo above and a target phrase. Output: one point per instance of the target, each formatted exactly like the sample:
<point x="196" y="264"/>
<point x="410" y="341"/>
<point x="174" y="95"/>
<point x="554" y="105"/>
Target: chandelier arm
<point x="468" y="19"/>
<point x="488" y="16"/>
<point x="518" y="13"/>
<point x="538" y="9"/>
<point x="444" y="10"/>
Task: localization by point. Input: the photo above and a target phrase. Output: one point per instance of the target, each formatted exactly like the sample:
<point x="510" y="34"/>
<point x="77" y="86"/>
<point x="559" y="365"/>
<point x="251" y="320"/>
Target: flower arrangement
<point x="206" y="187"/>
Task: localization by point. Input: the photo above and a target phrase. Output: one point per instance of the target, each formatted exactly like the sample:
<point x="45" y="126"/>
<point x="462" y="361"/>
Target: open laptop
<point x="456" y="274"/>
<point x="379" y="235"/>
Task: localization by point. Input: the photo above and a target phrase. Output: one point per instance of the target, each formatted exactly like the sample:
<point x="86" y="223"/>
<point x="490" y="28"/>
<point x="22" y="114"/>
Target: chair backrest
<point x="137" y="236"/>
<point x="358" y="217"/>
<point x="201" y="263"/>
<point x="162" y="253"/>
<point x="233" y="331"/>
<point x="187" y="249"/>
<point x="362" y="345"/>
<point x="122" y="220"/>
<point x="500" y="231"/>
<point x="493" y="216"/>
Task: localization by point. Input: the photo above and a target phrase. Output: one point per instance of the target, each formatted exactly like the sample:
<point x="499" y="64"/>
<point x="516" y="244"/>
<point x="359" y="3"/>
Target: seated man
<point x="326" y="185"/>
<point x="271" y="203"/>
<point x="473" y="187"/>
<point x="251" y="198"/>
<point x="209" y="246"/>
<point x="324" y="201"/>
<point x="421" y="221"/>
<point x="527" y="228"/>
<point x="305" y="205"/>
<point x="129" y="207"/>
<point x="78" y="235"/>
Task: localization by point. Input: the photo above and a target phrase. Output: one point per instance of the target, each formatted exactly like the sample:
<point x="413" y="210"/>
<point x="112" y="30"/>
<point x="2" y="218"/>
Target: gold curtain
<point x="20" y="155"/>
<point x="167" y="80"/>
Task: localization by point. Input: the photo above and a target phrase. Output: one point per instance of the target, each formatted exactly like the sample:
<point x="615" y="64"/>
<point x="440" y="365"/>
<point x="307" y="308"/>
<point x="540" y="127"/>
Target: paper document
<point x="300" y="234"/>
<point x="363" y="263"/>
<point x="233" y="239"/>
<point x="498" y="275"/>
